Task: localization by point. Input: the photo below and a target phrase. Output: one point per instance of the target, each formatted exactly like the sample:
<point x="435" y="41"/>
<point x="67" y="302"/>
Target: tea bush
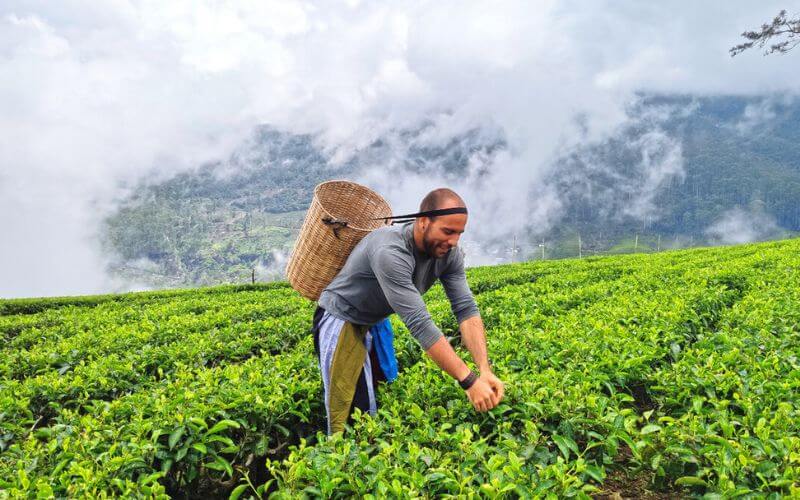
<point x="679" y="371"/>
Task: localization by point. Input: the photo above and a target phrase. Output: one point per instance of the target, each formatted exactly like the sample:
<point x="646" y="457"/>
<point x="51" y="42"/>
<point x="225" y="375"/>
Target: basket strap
<point x="428" y="213"/>
<point x="337" y="224"/>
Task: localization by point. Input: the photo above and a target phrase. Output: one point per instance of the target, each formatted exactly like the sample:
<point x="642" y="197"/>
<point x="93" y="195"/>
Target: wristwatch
<point x="468" y="380"/>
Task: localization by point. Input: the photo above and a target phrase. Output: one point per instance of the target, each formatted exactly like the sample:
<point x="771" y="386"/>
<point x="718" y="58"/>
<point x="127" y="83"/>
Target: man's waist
<point x="341" y="308"/>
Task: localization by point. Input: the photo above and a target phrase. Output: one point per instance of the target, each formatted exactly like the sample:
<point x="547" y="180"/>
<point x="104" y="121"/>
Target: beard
<point x="430" y="246"/>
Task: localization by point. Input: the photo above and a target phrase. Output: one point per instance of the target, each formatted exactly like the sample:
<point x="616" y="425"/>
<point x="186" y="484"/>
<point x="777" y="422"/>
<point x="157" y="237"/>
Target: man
<point x="388" y="271"/>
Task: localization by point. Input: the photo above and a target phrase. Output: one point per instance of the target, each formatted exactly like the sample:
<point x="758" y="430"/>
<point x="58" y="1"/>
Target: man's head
<point x="436" y="235"/>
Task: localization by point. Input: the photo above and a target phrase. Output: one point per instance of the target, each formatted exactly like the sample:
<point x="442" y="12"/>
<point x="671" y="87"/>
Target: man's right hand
<point x="482" y="396"/>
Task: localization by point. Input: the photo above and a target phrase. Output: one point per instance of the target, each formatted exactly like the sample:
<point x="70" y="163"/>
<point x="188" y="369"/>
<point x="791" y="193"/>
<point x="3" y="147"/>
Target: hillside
<point x="684" y="171"/>
<point x="738" y="154"/>
<point x="662" y="375"/>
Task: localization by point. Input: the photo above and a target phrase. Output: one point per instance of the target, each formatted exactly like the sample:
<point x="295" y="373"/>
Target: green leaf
<point x="221" y="464"/>
<point x="262" y="446"/>
<point x="44" y="433"/>
<point x="237" y="492"/>
<point x="63" y="463"/>
<point x="166" y="466"/>
<point x="200" y="447"/>
<point x="152" y="478"/>
<point x="175" y="437"/>
<point x="435" y="476"/>
<point x="544" y="486"/>
<point x="264" y="487"/>
<point x="565" y="444"/>
<point x="651" y="428"/>
<point x="199" y="422"/>
<point x="23" y="478"/>
<point x="222" y="425"/>
<point x="220" y="439"/>
<point x="690" y="481"/>
<point x="595" y="473"/>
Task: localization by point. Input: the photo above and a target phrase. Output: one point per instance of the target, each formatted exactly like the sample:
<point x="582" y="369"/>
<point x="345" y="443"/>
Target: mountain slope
<point x="683" y="171"/>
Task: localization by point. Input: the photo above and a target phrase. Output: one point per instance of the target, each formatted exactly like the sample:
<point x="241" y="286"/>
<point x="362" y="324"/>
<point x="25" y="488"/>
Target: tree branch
<point x="780" y="26"/>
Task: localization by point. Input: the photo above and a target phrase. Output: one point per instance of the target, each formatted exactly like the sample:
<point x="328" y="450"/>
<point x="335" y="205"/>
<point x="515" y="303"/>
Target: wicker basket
<point x="339" y="216"/>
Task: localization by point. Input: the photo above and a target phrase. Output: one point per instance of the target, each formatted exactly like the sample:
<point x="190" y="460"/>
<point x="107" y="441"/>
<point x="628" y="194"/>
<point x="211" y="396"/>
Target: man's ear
<point x="423" y="222"/>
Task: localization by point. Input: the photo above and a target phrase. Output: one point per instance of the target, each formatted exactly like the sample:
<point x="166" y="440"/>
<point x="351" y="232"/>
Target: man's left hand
<point x="495" y="384"/>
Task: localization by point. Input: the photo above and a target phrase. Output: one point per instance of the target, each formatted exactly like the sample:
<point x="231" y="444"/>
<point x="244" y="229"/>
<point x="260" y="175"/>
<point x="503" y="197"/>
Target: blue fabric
<point x="383" y="338"/>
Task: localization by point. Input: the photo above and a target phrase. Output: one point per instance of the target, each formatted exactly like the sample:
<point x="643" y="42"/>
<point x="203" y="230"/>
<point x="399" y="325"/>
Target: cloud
<point x="742" y="226"/>
<point x="274" y="269"/>
<point x="755" y="115"/>
<point x="758" y="116"/>
<point x="619" y="179"/>
<point x="662" y="161"/>
<point x="97" y="96"/>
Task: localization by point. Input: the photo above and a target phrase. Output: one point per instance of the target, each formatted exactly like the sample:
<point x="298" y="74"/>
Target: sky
<point x="97" y="95"/>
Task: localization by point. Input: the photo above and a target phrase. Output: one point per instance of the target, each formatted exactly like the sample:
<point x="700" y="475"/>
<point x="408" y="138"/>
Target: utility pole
<point x="253" y="276"/>
<point x="580" y="250"/>
<point x="542" y="246"/>
<point x="658" y="245"/>
<point x="636" y="243"/>
<point x="514" y="249"/>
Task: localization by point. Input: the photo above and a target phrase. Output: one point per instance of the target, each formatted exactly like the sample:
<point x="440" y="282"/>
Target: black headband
<point x="428" y="213"/>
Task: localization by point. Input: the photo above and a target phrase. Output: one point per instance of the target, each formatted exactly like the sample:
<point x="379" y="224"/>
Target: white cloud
<point x="97" y="95"/>
<point x="662" y="162"/>
<point x="757" y="116"/>
<point x="275" y="269"/>
<point x="742" y="226"/>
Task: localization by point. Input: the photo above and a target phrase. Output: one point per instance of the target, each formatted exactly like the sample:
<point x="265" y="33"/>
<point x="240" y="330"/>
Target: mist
<point x="739" y="225"/>
<point x="98" y="97"/>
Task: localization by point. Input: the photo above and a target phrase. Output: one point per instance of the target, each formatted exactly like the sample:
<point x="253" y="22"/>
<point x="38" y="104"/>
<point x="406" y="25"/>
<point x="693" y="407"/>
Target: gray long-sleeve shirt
<point x="386" y="273"/>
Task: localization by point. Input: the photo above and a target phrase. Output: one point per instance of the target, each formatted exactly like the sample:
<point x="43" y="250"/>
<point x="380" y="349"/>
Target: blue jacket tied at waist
<point x="383" y="339"/>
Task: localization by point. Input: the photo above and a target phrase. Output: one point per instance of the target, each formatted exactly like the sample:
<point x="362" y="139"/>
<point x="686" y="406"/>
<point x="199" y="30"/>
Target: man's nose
<point x="453" y="240"/>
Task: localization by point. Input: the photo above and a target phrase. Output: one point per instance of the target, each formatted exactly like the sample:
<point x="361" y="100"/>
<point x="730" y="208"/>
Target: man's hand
<point x="486" y="392"/>
<point x="496" y="384"/>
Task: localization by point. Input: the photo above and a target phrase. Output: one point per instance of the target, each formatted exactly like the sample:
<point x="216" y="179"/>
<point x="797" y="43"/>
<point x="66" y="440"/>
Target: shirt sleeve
<point x="394" y="276"/>
<point x="454" y="281"/>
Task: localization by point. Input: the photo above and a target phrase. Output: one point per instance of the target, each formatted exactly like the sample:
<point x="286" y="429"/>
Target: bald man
<point x="388" y="271"/>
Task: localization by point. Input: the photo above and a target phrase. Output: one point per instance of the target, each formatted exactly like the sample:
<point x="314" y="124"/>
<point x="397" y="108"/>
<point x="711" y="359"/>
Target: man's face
<point x="442" y="234"/>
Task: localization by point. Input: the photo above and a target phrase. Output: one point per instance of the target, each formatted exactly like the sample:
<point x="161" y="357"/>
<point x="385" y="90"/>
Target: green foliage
<point x="679" y="367"/>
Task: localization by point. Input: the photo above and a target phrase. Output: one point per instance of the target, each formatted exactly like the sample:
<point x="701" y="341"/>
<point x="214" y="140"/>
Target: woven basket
<point x="338" y="218"/>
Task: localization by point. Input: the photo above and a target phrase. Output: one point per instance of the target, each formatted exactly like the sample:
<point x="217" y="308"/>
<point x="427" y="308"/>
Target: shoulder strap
<point x="429" y="213"/>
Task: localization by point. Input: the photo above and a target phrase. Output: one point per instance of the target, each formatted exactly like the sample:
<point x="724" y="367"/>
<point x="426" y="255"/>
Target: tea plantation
<point x="661" y="376"/>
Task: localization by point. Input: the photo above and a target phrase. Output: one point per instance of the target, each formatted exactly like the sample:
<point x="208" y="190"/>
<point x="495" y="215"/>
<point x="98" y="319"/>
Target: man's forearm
<point x="472" y="334"/>
<point x="442" y="353"/>
<point x="474" y="338"/>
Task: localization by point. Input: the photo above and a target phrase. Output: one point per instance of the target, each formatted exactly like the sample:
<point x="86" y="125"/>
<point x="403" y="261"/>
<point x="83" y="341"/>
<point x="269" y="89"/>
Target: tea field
<point x="659" y="376"/>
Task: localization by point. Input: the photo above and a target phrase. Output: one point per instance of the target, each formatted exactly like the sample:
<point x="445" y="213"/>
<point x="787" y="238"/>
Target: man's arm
<point x="454" y="282"/>
<point x="474" y="338"/>
<point x="462" y="303"/>
<point x="469" y="320"/>
<point x="488" y="390"/>
<point x="394" y="276"/>
<point x="393" y="273"/>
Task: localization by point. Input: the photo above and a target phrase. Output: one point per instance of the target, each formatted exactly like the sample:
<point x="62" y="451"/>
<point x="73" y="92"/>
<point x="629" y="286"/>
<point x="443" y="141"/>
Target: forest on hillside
<point x="684" y="171"/>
